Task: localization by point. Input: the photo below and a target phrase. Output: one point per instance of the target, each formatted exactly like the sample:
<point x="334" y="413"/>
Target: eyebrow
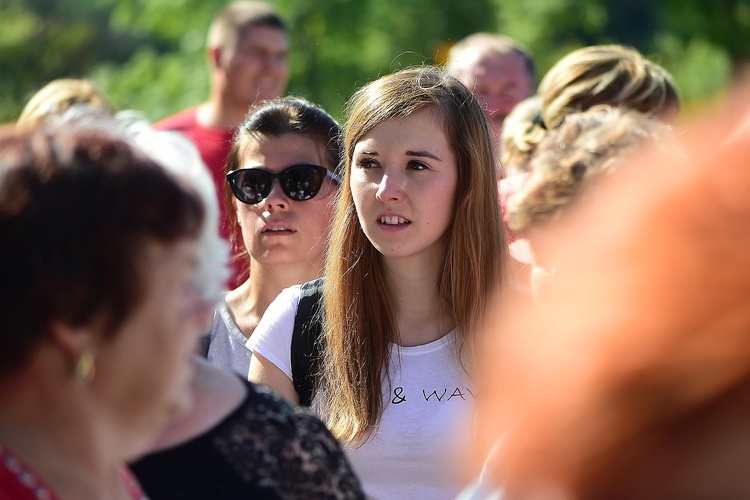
<point x="423" y="153"/>
<point x="408" y="153"/>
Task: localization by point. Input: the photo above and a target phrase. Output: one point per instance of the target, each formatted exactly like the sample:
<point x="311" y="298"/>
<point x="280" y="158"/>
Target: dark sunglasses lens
<point x="251" y="186"/>
<point x="302" y="182"/>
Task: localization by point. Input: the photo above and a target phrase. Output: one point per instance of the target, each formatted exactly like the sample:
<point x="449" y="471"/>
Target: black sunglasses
<point x="298" y="182"/>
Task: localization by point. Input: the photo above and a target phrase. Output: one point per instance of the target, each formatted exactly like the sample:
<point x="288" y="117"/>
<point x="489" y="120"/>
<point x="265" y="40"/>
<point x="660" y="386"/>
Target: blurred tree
<point x="701" y="42"/>
<point x="705" y="45"/>
<point x="721" y="23"/>
<point x="168" y="71"/>
<point x="149" y="54"/>
<point x="45" y="39"/>
<point x="141" y="53"/>
<point x="340" y="44"/>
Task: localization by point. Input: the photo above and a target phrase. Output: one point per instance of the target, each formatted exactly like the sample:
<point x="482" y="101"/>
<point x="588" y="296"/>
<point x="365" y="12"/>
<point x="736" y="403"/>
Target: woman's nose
<point x="390" y="188"/>
<point x="276" y="197"/>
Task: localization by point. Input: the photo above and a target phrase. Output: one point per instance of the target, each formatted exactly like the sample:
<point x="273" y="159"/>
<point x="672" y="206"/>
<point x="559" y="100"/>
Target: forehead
<point x="493" y="64"/>
<point x="263" y="36"/>
<point x="278" y="152"/>
<point x="422" y="130"/>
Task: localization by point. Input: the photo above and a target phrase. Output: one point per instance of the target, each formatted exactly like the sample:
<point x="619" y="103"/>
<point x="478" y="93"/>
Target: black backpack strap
<point x="305" y="340"/>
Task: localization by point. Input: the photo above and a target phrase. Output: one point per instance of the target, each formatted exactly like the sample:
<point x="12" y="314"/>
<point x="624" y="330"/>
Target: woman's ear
<point x="76" y="344"/>
<point x="70" y="340"/>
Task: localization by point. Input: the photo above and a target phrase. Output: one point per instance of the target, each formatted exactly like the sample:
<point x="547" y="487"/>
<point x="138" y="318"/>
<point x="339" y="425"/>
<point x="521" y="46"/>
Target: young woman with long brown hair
<point x="416" y="256"/>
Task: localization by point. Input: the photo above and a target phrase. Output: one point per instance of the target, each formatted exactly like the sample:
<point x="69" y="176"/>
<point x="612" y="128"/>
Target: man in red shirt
<point x="247" y="52"/>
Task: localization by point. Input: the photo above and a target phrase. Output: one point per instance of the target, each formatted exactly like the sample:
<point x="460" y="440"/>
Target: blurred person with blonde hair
<point x="55" y="98"/>
<point x="614" y="75"/>
<point x="600" y="74"/>
<point x="566" y="165"/>
<point x="517" y="144"/>
<point x="516" y="125"/>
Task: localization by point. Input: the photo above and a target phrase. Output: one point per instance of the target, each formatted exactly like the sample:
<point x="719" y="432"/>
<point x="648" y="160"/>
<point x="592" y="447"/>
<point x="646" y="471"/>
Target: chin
<point x="181" y="404"/>
<point x="181" y="397"/>
<point x="148" y="431"/>
<point x="278" y="256"/>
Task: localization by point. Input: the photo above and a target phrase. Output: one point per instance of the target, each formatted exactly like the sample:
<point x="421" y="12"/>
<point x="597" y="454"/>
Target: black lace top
<point x="267" y="448"/>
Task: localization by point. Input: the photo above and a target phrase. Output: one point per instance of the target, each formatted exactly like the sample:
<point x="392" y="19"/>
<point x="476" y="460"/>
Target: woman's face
<point x="143" y="372"/>
<point x="403" y="181"/>
<point x="278" y="229"/>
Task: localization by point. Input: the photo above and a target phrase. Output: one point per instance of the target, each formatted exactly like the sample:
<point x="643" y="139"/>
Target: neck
<point x="50" y="426"/>
<point x="216" y="394"/>
<point x="218" y="112"/>
<point x="223" y="109"/>
<point x="249" y="301"/>
<point x="414" y="290"/>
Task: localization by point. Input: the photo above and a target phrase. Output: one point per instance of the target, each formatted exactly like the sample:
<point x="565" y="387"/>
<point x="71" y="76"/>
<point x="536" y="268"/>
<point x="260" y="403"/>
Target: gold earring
<point x="84" y="369"/>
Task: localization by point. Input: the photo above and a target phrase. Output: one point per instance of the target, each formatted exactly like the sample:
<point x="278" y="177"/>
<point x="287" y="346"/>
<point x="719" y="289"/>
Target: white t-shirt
<point x="428" y="406"/>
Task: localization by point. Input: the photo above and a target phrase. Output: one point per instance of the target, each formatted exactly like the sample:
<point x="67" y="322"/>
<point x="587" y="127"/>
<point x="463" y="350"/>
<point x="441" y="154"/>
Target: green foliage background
<point x="149" y="54"/>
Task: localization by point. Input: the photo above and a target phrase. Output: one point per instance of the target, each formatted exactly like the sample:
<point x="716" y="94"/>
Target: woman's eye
<point x="367" y="163"/>
<point x="416" y="165"/>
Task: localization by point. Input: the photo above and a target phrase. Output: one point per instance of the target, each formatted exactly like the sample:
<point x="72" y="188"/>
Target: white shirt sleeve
<point x="272" y="338"/>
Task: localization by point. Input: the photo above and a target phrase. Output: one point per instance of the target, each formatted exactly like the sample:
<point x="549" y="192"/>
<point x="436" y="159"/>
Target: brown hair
<point x="359" y="321"/>
<point x="76" y="209"/>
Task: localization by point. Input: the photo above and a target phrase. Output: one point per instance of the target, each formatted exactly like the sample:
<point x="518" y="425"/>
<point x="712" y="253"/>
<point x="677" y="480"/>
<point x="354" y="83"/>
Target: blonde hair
<point x="600" y="74"/>
<point x="359" y="326"/>
<point x="585" y="146"/>
<point x="520" y="135"/>
<point x="58" y="96"/>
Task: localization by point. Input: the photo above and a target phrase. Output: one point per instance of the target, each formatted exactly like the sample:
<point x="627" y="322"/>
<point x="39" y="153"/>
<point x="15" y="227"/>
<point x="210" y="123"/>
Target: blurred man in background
<point x="499" y="71"/>
<point x="247" y="52"/>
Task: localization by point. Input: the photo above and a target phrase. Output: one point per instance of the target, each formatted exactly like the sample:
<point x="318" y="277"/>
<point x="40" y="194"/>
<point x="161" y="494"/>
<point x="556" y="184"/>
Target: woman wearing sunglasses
<point x="414" y="262"/>
<point x="280" y="183"/>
